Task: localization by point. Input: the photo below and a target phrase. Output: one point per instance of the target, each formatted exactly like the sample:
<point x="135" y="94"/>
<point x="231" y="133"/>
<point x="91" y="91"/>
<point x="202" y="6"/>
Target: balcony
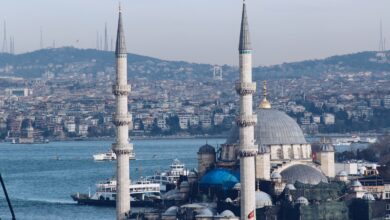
<point x="243" y="88"/>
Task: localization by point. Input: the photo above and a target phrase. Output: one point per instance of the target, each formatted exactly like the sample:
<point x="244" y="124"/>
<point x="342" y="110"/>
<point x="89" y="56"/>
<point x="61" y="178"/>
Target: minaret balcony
<point x="247" y="153"/>
<point x="122" y="119"/>
<point x="120" y="149"/>
<point x="246" y="120"/>
<point x="121" y="90"/>
<point x="245" y="88"/>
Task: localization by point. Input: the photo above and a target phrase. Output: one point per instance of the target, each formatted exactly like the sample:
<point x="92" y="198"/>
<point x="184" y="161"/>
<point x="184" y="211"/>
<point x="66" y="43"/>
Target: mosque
<point x="282" y="151"/>
<point x="266" y="169"/>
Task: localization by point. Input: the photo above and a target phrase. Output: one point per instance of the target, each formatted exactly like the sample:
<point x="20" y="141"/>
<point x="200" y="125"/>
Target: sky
<point x="203" y="31"/>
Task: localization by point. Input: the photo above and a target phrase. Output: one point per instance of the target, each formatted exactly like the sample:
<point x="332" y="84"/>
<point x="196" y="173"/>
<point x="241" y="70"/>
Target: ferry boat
<point x="143" y="193"/>
<point x="168" y="179"/>
<point x="108" y="156"/>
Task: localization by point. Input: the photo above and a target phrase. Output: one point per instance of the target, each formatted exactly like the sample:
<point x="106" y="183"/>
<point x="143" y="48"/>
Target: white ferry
<point x="168" y="179"/>
<point x="108" y="156"/>
<point x="143" y="193"/>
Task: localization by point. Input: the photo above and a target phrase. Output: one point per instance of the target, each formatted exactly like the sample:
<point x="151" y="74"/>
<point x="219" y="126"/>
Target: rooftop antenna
<point x="97" y="40"/>
<point x="41" y="42"/>
<point x="105" y="37"/>
<point x="5" y="38"/>
<point x="381" y="42"/>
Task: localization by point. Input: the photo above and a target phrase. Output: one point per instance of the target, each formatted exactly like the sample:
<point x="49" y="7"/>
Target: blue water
<point x="40" y="178"/>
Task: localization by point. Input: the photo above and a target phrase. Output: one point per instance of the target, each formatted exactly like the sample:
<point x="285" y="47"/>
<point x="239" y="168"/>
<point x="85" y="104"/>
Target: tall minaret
<point x="122" y="120"/>
<point x="246" y="122"/>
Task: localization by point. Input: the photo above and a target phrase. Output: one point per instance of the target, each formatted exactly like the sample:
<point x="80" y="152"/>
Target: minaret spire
<point x="123" y="121"/>
<point x="246" y="121"/>
<point x="245" y="42"/>
<point x="120" y="37"/>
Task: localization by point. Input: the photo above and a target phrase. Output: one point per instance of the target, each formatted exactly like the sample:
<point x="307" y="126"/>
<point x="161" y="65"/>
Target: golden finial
<point x="265" y="104"/>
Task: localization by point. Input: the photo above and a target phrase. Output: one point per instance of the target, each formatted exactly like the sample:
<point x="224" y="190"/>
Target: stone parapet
<point x="122" y="119"/>
<point x="245" y="88"/>
<point x="246" y="120"/>
<point x="121" y="90"/>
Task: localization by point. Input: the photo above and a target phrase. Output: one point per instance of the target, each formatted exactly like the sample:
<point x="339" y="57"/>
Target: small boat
<point x="143" y="193"/>
<point x="168" y="179"/>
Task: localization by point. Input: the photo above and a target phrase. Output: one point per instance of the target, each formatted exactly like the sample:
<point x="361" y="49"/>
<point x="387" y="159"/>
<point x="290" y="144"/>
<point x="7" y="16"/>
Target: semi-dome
<point x="206" y="149"/>
<point x="273" y="127"/>
<point x="304" y="174"/>
<point x="221" y="177"/>
<point x="262" y="199"/>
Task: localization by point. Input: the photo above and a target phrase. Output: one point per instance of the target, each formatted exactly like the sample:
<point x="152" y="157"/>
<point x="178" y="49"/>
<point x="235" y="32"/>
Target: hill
<point x="65" y="60"/>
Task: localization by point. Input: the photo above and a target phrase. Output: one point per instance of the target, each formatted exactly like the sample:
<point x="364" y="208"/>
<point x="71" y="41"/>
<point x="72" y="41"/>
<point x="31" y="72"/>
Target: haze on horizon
<point x="203" y="31"/>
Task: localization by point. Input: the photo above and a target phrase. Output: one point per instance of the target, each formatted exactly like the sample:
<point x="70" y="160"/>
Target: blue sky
<point x="204" y="31"/>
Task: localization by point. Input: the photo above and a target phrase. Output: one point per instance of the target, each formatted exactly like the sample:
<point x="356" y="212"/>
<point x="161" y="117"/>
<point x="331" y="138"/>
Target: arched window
<point x="279" y="153"/>
<point x="291" y="153"/>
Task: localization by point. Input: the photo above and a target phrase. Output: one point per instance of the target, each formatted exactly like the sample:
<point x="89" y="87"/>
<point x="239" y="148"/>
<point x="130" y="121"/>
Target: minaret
<point x="122" y="120"/>
<point x="246" y="122"/>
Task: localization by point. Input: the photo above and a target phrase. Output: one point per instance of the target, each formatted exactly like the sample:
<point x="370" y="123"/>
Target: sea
<point x="40" y="178"/>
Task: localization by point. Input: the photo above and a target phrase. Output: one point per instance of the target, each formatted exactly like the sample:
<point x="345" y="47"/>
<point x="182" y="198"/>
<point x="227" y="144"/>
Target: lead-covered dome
<point x="273" y="127"/>
<point x="206" y="149"/>
<point x="304" y="174"/>
<point x="262" y="199"/>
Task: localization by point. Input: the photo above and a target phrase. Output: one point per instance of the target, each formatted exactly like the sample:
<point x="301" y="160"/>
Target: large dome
<point x="304" y="174"/>
<point x="273" y="127"/>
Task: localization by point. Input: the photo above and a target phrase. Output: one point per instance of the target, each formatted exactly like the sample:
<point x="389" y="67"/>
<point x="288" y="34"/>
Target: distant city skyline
<point x="202" y="31"/>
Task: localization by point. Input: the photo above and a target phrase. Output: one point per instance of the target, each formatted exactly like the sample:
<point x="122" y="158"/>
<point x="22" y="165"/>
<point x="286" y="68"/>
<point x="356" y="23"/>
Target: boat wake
<point x="50" y="201"/>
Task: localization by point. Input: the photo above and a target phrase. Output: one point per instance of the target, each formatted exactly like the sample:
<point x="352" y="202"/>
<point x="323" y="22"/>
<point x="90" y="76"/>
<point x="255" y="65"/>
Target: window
<point x="388" y="207"/>
<point x="387" y="195"/>
<point x="279" y="153"/>
<point x="291" y="153"/>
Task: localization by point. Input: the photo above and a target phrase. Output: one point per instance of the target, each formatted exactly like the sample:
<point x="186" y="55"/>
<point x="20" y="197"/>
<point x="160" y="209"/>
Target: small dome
<point x="262" y="199"/>
<point x="304" y="174"/>
<point x="302" y="200"/>
<point x="206" y="149"/>
<point x="171" y="211"/>
<point x="227" y="213"/>
<point x="290" y="187"/>
<point x="276" y="175"/>
<point x="237" y="186"/>
<point x="342" y="174"/>
<point x="356" y="183"/>
<point x="368" y="197"/>
<point x="222" y="177"/>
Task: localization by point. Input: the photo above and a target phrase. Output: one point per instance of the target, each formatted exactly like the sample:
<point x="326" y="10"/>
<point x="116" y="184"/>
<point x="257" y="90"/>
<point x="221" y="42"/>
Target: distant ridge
<point x="34" y="65"/>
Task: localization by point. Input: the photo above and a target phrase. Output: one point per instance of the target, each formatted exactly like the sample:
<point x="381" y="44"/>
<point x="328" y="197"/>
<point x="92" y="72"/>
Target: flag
<point x="251" y="214"/>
